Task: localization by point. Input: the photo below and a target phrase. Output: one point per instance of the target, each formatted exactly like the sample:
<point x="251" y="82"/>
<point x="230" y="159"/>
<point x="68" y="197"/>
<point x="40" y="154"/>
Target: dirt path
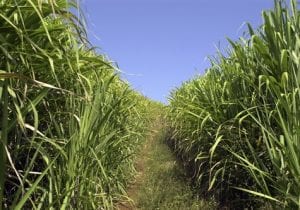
<point x="160" y="181"/>
<point x="140" y="165"/>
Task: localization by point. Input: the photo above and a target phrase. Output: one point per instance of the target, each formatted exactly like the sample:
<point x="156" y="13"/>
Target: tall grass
<point x="238" y="125"/>
<point x="69" y="125"/>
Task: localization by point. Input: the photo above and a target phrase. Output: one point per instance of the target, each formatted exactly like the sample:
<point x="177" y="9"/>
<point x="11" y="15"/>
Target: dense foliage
<point x="237" y="127"/>
<point x="69" y="125"/>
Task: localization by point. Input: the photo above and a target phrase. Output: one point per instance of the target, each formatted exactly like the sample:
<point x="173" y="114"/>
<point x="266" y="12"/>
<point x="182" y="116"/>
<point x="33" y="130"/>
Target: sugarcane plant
<point x="70" y="126"/>
<point x="237" y="126"/>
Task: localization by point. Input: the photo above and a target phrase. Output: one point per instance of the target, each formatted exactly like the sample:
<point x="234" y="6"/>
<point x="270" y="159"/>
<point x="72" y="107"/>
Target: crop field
<point x="71" y="128"/>
<point x="237" y="127"/>
<point x="69" y="124"/>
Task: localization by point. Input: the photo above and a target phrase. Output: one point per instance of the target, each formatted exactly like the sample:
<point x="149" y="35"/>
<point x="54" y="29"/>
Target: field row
<point x="237" y="127"/>
<point x="69" y="125"/>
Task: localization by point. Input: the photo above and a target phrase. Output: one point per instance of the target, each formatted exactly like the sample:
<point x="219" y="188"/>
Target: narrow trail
<point x="160" y="182"/>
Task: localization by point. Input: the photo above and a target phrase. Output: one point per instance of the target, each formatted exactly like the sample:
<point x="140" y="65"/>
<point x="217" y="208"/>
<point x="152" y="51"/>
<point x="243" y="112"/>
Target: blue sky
<point x="158" y="44"/>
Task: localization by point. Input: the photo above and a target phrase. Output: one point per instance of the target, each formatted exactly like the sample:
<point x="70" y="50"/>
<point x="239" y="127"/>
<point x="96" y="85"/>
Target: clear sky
<point x="158" y="44"/>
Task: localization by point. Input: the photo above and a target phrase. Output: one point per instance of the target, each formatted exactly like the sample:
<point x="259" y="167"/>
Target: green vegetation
<point x="69" y="125"/>
<point x="237" y="127"/>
